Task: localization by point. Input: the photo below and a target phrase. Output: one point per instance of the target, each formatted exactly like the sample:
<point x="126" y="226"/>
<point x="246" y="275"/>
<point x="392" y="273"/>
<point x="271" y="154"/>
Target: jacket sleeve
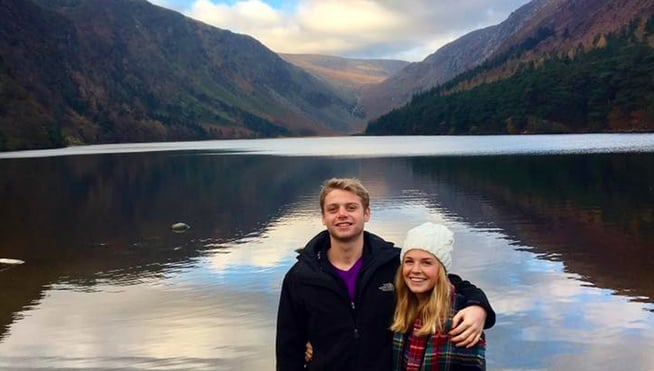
<point x="291" y="338"/>
<point x="473" y="296"/>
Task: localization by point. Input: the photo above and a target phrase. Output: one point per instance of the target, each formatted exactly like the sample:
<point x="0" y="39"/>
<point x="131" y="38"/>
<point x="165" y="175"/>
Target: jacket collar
<point x="375" y="249"/>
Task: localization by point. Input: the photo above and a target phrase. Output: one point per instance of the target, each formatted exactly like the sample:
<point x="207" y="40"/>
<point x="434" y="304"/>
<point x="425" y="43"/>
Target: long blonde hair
<point x="434" y="312"/>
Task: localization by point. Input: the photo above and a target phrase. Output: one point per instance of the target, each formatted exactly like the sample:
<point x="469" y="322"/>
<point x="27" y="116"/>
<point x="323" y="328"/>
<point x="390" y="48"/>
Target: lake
<point x="557" y="229"/>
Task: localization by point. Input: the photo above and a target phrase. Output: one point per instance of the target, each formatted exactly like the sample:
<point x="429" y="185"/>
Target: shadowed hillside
<point x="93" y="71"/>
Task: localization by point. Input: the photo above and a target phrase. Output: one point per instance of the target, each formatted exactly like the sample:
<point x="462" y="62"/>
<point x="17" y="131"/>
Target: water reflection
<point x="559" y="243"/>
<point x="594" y="212"/>
<point x="84" y="219"/>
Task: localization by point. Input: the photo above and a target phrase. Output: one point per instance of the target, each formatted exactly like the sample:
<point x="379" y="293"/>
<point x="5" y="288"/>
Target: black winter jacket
<point x="314" y="306"/>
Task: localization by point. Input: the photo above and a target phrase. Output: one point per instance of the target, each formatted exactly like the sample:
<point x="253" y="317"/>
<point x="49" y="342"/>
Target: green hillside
<point x="609" y="88"/>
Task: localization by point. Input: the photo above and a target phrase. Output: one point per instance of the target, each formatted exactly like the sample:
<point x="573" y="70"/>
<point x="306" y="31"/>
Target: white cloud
<point x="251" y="15"/>
<point x="408" y="30"/>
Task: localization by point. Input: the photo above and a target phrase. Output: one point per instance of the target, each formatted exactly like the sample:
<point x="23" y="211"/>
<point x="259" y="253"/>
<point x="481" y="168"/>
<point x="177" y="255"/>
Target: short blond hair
<point x="345" y="184"/>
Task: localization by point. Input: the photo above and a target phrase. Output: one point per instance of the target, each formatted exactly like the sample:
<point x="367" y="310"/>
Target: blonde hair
<point x="433" y="312"/>
<point x="345" y="184"/>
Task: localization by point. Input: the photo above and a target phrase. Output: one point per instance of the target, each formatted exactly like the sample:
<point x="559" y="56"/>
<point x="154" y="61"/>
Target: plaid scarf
<point x="436" y="352"/>
<point x="416" y="348"/>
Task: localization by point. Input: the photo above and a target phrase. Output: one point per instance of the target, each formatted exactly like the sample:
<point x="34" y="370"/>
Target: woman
<point x="426" y="303"/>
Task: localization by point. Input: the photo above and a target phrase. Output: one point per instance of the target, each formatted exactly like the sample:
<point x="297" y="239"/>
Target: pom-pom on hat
<point x="434" y="238"/>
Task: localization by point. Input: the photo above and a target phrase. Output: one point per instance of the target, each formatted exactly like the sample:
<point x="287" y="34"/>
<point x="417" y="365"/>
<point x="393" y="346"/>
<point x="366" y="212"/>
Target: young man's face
<point x="344" y="215"/>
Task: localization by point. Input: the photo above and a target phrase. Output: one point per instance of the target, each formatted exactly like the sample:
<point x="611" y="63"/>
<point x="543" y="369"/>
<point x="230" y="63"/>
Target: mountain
<point x="35" y="80"/>
<point x="447" y="62"/>
<point x="95" y="71"/>
<point x="568" y="23"/>
<point x="563" y="66"/>
<point x="348" y="76"/>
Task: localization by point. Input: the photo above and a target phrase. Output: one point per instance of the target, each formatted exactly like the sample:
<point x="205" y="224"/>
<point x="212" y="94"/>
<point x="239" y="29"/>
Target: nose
<point x="415" y="268"/>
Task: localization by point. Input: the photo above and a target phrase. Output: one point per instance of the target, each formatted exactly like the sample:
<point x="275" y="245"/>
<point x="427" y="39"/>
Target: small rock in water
<point x="180" y="227"/>
<point x="11" y="261"/>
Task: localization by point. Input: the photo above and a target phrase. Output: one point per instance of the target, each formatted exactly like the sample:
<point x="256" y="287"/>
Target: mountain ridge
<point x="531" y="88"/>
<point x="456" y="57"/>
<point x="352" y="73"/>
<point x="564" y="23"/>
<point x="93" y="71"/>
<point x="133" y="71"/>
<point x="349" y="76"/>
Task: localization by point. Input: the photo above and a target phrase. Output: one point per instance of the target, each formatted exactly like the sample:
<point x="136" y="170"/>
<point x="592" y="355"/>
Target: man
<point x="339" y="295"/>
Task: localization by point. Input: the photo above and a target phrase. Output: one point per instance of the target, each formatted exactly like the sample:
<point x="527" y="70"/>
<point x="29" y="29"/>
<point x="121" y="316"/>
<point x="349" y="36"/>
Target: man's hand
<point x="308" y="353"/>
<point x="467" y="326"/>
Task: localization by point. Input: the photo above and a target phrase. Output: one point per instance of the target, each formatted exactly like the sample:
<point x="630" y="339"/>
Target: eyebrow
<point x="421" y="259"/>
<point x="344" y="204"/>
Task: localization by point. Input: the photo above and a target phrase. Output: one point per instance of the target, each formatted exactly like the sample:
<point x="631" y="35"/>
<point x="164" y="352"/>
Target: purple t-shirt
<point x="350" y="276"/>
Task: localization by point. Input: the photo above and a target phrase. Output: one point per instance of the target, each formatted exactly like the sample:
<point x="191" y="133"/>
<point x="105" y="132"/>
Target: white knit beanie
<point x="434" y="238"/>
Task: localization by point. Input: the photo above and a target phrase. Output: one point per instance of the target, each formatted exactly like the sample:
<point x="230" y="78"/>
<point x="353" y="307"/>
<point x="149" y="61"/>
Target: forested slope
<point x="606" y="88"/>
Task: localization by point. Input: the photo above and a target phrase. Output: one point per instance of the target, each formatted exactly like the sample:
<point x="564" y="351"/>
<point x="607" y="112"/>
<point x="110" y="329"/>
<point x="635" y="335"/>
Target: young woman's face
<point x="420" y="271"/>
<point x="344" y="215"/>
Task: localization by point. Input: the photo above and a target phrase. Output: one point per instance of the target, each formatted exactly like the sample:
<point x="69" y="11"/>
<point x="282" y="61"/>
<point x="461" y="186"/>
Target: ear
<point x="366" y="214"/>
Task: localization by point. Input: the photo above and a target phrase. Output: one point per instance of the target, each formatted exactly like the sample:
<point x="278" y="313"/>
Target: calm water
<point x="558" y="230"/>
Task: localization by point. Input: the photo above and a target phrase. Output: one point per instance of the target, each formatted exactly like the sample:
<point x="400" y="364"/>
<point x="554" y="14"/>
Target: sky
<point x="408" y="30"/>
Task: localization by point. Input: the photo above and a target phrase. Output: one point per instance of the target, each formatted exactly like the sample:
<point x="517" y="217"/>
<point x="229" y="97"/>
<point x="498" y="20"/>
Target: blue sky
<point x="391" y="29"/>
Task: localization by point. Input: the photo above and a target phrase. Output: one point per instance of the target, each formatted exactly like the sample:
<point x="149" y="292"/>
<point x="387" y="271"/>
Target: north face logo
<point x="387" y="287"/>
